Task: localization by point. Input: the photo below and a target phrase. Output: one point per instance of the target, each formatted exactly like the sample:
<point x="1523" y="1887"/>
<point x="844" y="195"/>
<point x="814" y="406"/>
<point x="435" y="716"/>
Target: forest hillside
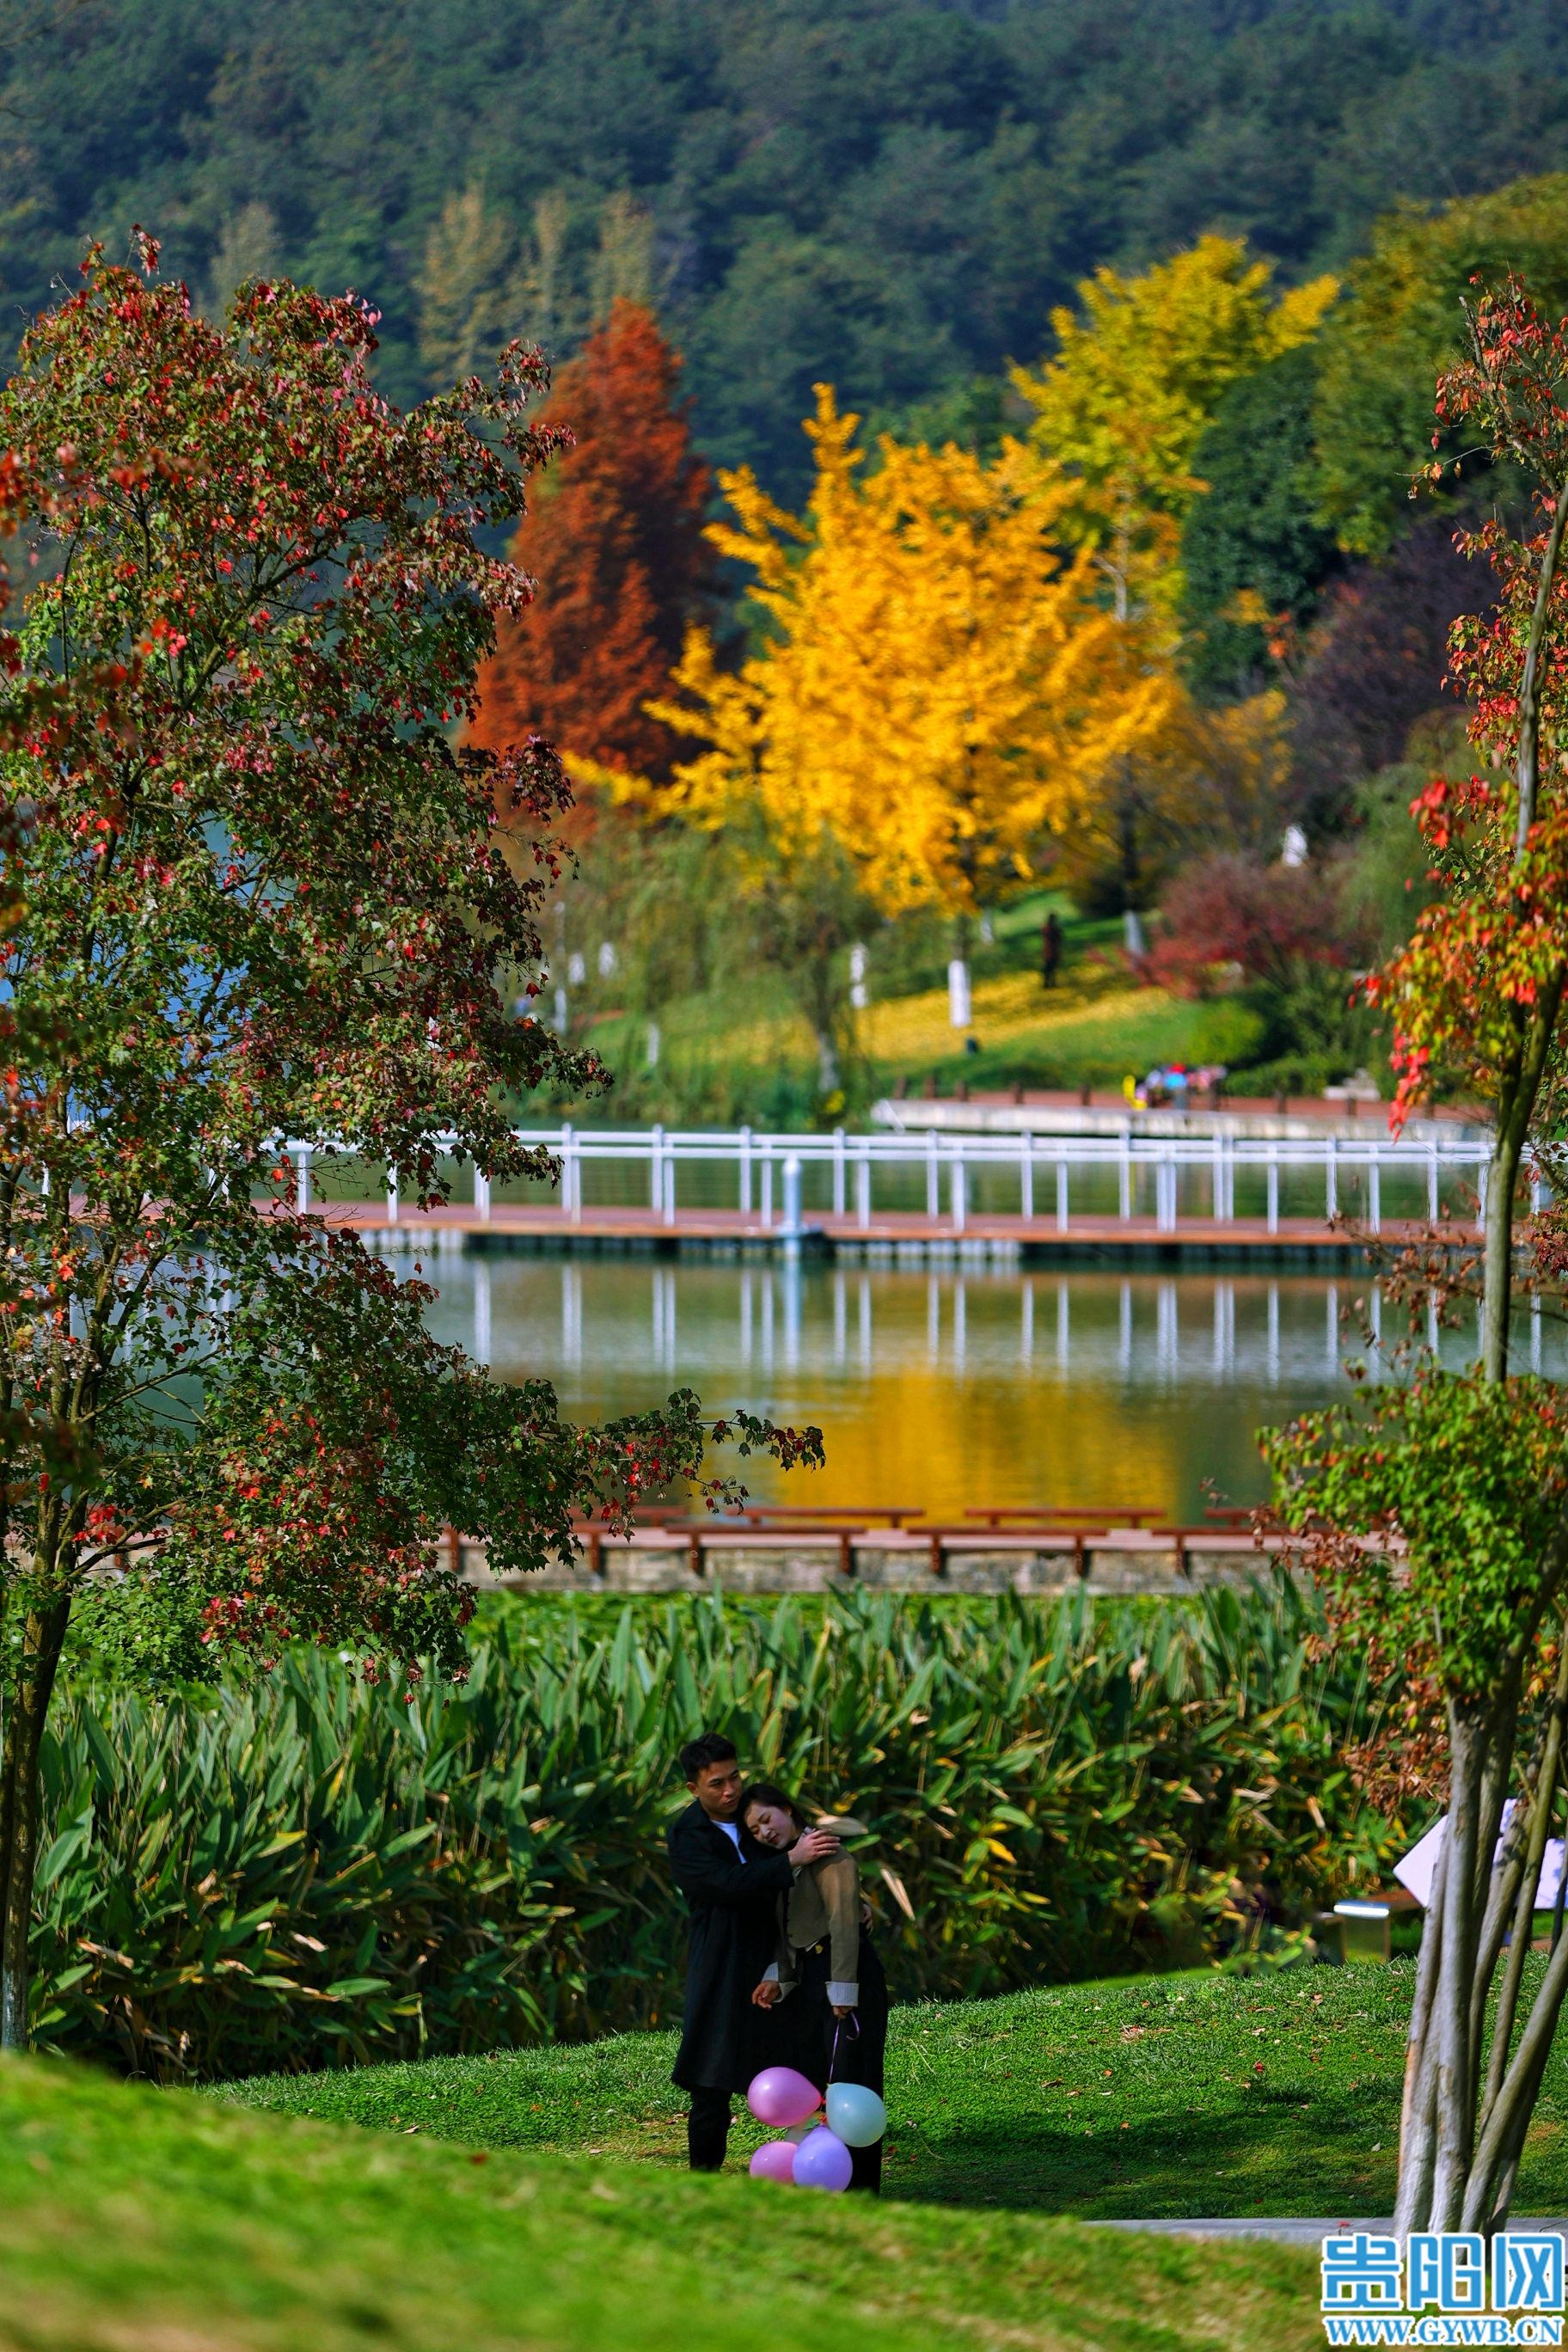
<point x="890" y="195"/>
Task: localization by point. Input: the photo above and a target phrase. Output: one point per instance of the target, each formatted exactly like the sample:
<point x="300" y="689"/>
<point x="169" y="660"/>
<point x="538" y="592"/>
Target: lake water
<point x="940" y="1390"/>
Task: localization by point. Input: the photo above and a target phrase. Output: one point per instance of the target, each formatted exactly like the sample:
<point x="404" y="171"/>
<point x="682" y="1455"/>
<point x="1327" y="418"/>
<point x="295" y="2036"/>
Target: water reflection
<point x="945" y="1389"/>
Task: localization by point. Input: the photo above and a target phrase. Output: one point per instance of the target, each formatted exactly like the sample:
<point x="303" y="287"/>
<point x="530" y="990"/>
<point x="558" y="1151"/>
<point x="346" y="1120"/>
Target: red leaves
<point x="1266" y="920"/>
<point x="619" y="553"/>
<point x="1494" y="947"/>
<point x="297" y="913"/>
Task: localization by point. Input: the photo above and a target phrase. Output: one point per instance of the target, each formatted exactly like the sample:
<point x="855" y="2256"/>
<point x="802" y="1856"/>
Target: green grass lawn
<point x="743" y="1047"/>
<point x="1203" y="2094"/>
<point x="134" y="2220"/>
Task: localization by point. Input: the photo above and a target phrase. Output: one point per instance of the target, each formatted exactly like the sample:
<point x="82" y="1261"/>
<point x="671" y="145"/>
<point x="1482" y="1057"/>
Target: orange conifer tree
<point x="615" y="544"/>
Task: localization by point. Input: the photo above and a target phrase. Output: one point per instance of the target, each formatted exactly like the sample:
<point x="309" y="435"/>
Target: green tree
<point x="255" y="897"/>
<point x="1399" y="323"/>
<point x="1254" y="555"/>
<point x="1135" y="384"/>
<point x="466" y="289"/>
<point x="891" y="194"/>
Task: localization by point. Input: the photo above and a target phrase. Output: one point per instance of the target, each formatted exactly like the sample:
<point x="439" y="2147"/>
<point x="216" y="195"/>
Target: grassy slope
<point x="1199" y="2094"/>
<point x="1093" y="1025"/>
<point x="136" y="2220"/>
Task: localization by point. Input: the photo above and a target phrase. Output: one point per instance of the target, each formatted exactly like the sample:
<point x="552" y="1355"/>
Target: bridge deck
<point x="724" y="1229"/>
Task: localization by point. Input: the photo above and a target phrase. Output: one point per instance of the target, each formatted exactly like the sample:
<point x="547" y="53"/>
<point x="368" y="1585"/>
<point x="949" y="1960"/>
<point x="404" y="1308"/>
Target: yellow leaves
<point x="1299" y="314"/>
<point x="1137" y="379"/>
<point x="934" y="664"/>
<point x="945" y="683"/>
<point x="1138" y="376"/>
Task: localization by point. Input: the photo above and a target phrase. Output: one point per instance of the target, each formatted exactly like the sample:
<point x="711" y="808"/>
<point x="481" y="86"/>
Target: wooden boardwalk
<point x="903" y="1235"/>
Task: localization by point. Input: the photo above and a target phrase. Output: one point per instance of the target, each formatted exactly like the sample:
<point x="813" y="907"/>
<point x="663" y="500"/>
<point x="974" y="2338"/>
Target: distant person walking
<point x="1051" y="949"/>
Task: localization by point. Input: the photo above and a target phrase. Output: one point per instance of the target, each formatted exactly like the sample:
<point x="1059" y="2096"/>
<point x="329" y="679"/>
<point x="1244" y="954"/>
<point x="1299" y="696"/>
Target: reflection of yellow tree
<point x="936" y="676"/>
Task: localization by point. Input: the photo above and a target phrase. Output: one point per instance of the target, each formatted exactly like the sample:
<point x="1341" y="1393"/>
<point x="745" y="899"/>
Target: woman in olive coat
<point x="824" y="1988"/>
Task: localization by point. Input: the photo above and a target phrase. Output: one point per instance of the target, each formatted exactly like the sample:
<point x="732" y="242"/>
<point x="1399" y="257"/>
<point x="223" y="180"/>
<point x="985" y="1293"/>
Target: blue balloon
<point x="822" y="2161"/>
<point x="856" y="2114"/>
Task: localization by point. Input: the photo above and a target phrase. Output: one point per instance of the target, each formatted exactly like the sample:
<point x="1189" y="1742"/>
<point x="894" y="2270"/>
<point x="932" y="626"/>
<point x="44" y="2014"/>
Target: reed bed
<point x="307" y="1872"/>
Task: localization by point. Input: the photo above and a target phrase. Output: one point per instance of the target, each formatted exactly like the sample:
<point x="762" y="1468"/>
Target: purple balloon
<point x="775" y="2160"/>
<point x="779" y="2097"/>
<point x="822" y="2161"/>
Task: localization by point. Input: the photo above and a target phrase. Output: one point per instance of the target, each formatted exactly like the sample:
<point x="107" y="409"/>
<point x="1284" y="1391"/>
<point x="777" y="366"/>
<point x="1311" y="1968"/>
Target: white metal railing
<point x="853" y="1160"/>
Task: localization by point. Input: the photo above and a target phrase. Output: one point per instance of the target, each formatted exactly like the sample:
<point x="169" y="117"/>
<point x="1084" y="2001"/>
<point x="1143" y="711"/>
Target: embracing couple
<point x="780" y="1972"/>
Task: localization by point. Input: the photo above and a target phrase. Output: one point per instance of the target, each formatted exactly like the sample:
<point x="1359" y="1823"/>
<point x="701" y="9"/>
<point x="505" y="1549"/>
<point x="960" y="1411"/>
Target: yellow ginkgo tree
<point x="937" y="681"/>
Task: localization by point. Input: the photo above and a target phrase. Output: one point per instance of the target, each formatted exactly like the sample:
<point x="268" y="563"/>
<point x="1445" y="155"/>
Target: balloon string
<point x="837" y="2031"/>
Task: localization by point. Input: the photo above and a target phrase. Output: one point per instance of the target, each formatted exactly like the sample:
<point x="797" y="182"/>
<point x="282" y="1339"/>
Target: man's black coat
<point x="734" y="1907"/>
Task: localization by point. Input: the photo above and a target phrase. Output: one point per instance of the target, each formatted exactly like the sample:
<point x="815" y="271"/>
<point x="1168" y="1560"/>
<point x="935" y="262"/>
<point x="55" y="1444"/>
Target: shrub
<point x="317" y="1873"/>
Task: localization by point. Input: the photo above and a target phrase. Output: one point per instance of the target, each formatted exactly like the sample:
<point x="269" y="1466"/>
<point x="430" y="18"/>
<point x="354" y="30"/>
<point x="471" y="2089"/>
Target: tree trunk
<point x="1516" y="1108"/>
<point x="1450" y="2027"/>
<point x="1418" y="2116"/>
<point x="27" y="1706"/>
<point x="1539" y="1823"/>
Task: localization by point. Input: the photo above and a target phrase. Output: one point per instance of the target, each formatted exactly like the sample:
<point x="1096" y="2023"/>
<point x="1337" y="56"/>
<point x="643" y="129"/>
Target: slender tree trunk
<point x="1418" y="2115"/>
<point x="1539" y="1819"/>
<point x="1496" y="2153"/>
<point x="1451" y="2009"/>
<point x="1516" y="1108"/>
<point x="27" y="1706"/>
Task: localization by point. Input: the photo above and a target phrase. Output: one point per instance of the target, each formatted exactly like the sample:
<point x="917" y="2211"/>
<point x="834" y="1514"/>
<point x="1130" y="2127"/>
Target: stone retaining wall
<point x="787" y="1564"/>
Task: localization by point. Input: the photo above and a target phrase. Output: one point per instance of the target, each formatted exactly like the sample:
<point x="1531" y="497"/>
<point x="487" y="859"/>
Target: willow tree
<point x="1437" y="1508"/>
<point x="253" y="895"/>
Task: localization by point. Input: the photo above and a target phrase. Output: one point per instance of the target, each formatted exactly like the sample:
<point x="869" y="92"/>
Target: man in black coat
<point x="731" y="1888"/>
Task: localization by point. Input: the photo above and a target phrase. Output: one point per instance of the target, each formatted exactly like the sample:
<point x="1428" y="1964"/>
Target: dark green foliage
<point x="1399" y="322"/>
<point x="1255" y="532"/>
<point x="976" y="413"/>
<point x="890" y="192"/>
<point x="314" y="1873"/>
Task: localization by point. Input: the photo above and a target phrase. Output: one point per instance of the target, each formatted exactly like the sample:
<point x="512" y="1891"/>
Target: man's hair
<point x="707" y="1747"/>
<point x="768" y="1792"/>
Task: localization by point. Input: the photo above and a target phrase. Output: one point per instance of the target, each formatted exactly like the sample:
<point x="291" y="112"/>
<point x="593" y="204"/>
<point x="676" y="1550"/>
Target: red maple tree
<point x="1434" y="1508"/>
<point x="250" y="896"/>
<point x="615" y="546"/>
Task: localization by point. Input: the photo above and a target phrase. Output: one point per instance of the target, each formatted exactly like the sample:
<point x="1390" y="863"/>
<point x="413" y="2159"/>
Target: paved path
<point x="1296" y="2231"/>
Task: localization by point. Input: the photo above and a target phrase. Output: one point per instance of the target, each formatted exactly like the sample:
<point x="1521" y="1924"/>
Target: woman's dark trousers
<point x="843" y="2050"/>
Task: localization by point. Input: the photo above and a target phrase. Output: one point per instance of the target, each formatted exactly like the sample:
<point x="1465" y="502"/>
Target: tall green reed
<point x="308" y="1871"/>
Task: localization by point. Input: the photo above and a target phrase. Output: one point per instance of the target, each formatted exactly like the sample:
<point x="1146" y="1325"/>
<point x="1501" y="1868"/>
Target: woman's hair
<point x="765" y="1792"/>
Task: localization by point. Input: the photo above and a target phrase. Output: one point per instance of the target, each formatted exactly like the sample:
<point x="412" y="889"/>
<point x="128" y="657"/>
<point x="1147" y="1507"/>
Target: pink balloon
<point x="775" y="2160"/>
<point x="822" y="2161"/>
<point x="779" y="2096"/>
